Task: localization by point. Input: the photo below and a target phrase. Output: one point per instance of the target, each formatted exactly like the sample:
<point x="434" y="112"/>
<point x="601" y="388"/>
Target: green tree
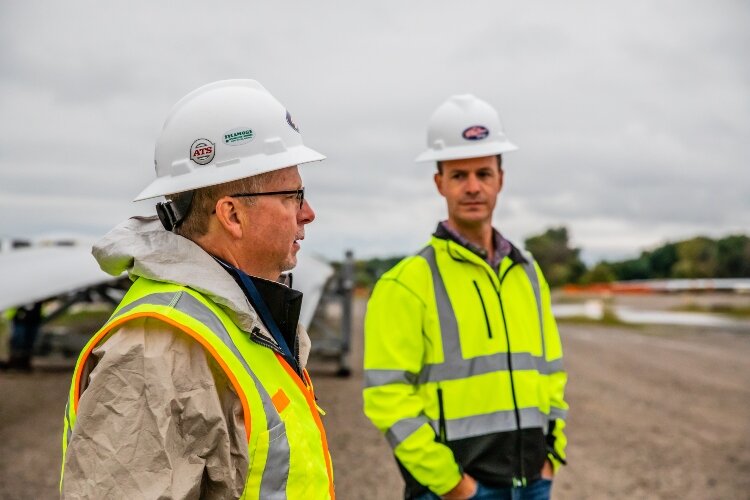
<point x="561" y="263"/>
<point x="632" y="269"/>
<point x="662" y="260"/>
<point x="696" y="258"/>
<point x="600" y="273"/>
<point x="733" y="255"/>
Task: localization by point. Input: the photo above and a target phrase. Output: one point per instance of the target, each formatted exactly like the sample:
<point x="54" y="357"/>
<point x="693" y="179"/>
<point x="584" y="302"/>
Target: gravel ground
<point x="656" y="412"/>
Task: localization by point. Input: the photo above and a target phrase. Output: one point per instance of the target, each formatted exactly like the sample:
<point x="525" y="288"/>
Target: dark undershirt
<point x="283" y="302"/>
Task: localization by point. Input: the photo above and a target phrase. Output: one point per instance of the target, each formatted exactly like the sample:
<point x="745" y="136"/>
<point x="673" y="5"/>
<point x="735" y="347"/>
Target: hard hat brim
<point x="219" y="173"/>
<point x="463" y="152"/>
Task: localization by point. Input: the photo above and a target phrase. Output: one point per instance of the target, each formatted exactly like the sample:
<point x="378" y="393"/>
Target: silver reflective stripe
<point x="448" y="323"/>
<point x="276" y="471"/>
<point x="488" y="423"/>
<point x="557" y="413"/>
<point x="554" y="366"/>
<point x="375" y="378"/>
<point x="528" y="266"/>
<point x="404" y="428"/>
<point x="546" y="367"/>
<point x="479" y="365"/>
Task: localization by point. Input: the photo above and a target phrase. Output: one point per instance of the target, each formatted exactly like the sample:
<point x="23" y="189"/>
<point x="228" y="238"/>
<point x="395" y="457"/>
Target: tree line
<point x="698" y="257"/>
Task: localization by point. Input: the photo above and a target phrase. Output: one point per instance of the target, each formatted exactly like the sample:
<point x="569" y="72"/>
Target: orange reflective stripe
<point x="316" y="416"/>
<point x="195" y="335"/>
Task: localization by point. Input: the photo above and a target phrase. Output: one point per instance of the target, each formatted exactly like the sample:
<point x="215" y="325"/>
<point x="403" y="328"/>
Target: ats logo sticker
<point x="476" y="133"/>
<point x="202" y="151"/>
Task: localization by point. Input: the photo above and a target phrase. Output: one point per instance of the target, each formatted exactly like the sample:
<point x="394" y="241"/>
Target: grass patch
<point x="606" y="320"/>
<point x="724" y="309"/>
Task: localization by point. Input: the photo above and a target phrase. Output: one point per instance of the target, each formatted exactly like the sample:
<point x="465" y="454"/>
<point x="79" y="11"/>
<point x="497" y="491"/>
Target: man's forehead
<point x="471" y="164"/>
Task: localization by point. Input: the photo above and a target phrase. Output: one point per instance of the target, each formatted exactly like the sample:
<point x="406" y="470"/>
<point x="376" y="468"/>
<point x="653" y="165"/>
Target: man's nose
<point x="306" y="214"/>
<point x="472" y="184"/>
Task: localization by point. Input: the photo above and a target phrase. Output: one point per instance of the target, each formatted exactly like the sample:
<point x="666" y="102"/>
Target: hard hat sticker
<point x="476" y="133"/>
<point x="202" y="151"/>
<point x="291" y="122"/>
<point x="237" y="136"/>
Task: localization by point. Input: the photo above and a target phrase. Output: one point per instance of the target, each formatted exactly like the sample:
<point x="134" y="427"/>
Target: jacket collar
<point x="471" y="252"/>
<point x="142" y="247"/>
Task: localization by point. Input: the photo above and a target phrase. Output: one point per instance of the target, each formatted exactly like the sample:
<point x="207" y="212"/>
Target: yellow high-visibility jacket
<point x="463" y="369"/>
<point x="286" y="443"/>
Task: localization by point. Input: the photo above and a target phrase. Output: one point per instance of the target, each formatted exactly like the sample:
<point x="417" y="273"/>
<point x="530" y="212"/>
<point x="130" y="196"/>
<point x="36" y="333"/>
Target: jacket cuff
<point x="555" y="458"/>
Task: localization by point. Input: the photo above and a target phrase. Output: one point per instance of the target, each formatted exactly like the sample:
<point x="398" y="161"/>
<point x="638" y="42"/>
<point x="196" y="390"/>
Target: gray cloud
<point x="632" y="117"/>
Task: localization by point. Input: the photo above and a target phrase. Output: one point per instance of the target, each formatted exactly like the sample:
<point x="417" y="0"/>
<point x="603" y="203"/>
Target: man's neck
<point x="480" y="235"/>
<point x="235" y="257"/>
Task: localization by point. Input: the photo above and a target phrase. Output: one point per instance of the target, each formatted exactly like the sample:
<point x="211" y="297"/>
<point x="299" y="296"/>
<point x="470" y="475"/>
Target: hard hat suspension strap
<point x="172" y="212"/>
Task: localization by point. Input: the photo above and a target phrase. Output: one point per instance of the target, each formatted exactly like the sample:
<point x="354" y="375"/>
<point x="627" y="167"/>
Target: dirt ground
<point x="656" y="412"/>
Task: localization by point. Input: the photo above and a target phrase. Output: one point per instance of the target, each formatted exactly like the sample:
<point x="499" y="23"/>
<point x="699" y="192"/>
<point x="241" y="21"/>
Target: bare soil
<point x="656" y="412"/>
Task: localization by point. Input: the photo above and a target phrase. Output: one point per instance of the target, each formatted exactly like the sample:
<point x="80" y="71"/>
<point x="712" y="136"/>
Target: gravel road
<point x="656" y="412"/>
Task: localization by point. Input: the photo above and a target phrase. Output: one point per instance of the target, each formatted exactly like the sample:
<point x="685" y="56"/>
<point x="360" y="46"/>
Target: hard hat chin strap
<point x="172" y="212"/>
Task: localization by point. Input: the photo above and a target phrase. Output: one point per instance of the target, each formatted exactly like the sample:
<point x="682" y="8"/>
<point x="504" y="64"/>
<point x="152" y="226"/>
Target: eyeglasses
<point x="299" y="194"/>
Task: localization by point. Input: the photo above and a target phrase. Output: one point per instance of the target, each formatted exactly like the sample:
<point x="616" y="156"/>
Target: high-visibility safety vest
<point x="287" y="444"/>
<point x="462" y="364"/>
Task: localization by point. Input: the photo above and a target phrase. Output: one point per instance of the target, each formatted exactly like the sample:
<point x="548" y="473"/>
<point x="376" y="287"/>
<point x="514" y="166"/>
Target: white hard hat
<point x="464" y="127"/>
<point x="221" y="132"/>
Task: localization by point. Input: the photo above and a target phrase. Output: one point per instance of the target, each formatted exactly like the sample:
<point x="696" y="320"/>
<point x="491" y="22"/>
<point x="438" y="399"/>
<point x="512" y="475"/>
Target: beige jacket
<point x="157" y="417"/>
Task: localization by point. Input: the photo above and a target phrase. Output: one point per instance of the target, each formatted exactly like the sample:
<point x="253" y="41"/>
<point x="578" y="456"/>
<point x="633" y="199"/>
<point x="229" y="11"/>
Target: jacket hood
<point x="142" y="247"/>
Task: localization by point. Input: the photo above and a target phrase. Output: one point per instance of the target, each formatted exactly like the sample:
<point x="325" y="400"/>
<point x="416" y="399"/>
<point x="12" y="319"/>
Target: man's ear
<point x="438" y="177"/>
<point x="500" y="180"/>
<point x="228" y="216"/>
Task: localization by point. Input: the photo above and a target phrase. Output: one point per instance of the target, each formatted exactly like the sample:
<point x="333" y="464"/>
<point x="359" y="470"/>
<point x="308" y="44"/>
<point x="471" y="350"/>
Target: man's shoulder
<point x="146" y="336"/>
<point x="409" y="268"/>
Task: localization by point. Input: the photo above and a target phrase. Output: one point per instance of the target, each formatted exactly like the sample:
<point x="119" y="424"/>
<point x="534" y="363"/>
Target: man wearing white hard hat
<point x="463" y="362"/>
<point x="196" y="386"/>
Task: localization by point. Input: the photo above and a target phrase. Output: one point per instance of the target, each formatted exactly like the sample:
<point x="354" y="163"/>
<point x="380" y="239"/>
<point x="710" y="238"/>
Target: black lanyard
<point x="267" y="318"/>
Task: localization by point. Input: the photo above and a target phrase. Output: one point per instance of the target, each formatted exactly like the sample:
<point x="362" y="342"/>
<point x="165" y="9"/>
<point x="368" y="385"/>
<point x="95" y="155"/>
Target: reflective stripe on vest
<point x="272" y="482"/>
<point x="472" y="426"/>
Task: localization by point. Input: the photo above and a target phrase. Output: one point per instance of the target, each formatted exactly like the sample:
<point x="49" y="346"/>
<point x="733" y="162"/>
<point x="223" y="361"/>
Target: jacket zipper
<point x="442" y="433"/>
<point x="484" y="310"/>
<point x="517" y="482"/>
<point x="256" y="337"/>
<point x="522" y="480"/>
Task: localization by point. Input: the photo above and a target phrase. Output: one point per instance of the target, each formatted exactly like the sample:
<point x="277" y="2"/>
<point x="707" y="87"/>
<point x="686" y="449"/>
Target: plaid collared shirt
<point x="502" y="246"/>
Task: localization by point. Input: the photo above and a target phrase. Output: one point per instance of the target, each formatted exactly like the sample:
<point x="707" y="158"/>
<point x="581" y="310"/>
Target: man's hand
<point x="465" y="489"/>
<point x="548" y="472"/>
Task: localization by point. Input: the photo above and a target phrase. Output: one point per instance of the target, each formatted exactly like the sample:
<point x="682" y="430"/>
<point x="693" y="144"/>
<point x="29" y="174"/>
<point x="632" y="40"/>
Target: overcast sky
<point x="632" y="117"/>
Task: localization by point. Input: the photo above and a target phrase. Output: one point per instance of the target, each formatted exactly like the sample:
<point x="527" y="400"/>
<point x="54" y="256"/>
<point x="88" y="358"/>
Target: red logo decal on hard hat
<point x="202" y="151"/>
<point x="476" y="133"/>
<point x="291" y="122"/>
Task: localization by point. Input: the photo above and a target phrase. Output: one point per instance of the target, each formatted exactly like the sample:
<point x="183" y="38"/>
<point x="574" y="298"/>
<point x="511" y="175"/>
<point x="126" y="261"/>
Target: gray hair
<point x="195" y="224"/>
